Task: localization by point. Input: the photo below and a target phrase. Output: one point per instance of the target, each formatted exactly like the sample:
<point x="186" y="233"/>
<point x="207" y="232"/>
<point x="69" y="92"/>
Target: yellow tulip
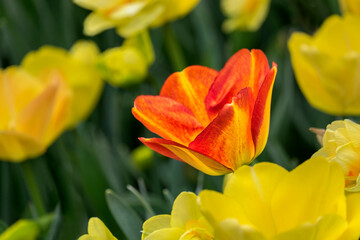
<point x="75" y="69"/>
<point x="341" y="144"/>
<point x="130" y="17"/>
<point x="185" y="222"/>
<point x="33" y="113"/>
<point x="244" y="14"/>
<point x="327" y="65"/>
<point x="128" y="64"/>
<point x="97" y="231"/>
<point x="22" y="229"/>
<point x="266" y="202"/>
<point x="350" y="6"/>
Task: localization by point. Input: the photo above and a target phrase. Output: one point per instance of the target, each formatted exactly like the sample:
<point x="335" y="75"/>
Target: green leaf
<point x="127" y="219"/>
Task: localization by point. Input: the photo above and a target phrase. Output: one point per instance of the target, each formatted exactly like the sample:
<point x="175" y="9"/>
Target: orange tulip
<point x="214" y="121"/>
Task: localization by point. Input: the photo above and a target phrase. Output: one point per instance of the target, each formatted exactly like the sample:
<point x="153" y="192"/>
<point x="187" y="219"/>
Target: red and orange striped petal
<point x="182" y="153"/>
<point x="190" y="88"/>
<point x="167" y="118"/>
<point x="261" y="115"/>
<point x="243" y="69"/>
<point x="228" y="137"/>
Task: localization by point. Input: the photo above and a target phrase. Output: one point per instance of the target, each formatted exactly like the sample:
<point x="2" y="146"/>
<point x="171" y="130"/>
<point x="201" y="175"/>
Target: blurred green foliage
<point x="75" y="172"/>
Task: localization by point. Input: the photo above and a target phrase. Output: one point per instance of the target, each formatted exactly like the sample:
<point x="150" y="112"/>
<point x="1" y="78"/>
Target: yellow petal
<point x="96" y="228"/>
<point x="185" y="208"/>
<point x="166" y="234"/>
<point x="254" y="187"/>
<point x="85" y="51"/>
<point x="329" y="227"/>
<point x="96" y="23"/>
<point x="320" y="194"/>
<point x="353" y="217"/>
<point x="230" y="229"/>
<point x="22" y="229"/>
<point x="155" y="223"/>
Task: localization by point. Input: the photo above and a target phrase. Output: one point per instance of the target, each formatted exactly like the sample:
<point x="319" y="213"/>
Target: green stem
<point x="32" y="187"/>
<point x="172" y="46"/>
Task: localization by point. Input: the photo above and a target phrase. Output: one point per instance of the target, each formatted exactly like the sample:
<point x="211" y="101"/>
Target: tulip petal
<point x="353" y="217"/>
<point x="98" y="230"/>
<point x="244" y="69"/>
<point x="228" y="137"/>
<point x="16" y="147"/>
<point x="167" y="118"/>
<point x="185" y="208"/>
<point x="261" y="115"/>
<point x="230" y="229"/>
<point x="321" y="194"/>
<point x="166" y="234"/>
<point x="96" y="23"/>
<point x="257" y="184"/>
<point x="329" y="227"/>
<point x="46" y="116"/>
<point x="217" y="207"/>
<point x="179" y="152"/>
<point x="155" y="223"/>
<point x="190" y="88"/>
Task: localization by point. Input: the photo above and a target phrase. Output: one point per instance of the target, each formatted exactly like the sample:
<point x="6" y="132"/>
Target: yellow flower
<point x="130" y="17"/>
<point x="327" y="65"/>
<point x="20" y="230"/>
<point x="33" y="113"/>
<point x="341" y="144"/>
<point x="350" y="6"/>
<point x="128" y="64"/>
<point x="266" y="202"/>
<point x="75" y="69"/>
<point x="97" y="231"/>
<point x="185" y="222"/>
<point x="244" y="14"/>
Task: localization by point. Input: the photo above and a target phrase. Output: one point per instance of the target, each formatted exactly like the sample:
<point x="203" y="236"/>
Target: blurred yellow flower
<point x="130" y="17"/>
<point x="327" y="65"/>
<point x="185" y="222"/>
<point x="350" y="6"/>
<point x="97" y="231"/>
<point x="244" y="14"/>
<point x="266" y="202"/>
<point x="75" y="69"/>
<point x="20" y="230"/>
<point x="128" y="64"/>
<point x="341" y="144"/>
<point x="33" y="113"/>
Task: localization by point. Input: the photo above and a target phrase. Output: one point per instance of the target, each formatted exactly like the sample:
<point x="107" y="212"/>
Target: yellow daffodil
<point x="350" y="6"/>
<point x="75" y="69"/>
<point x="244" y="14"/>
<point x="266" y="202"/>
<point x="33" y="113"/>
<point x="128" y="64"/>
<point x="185" y="222"/>
<point x="97" y="231"/>
<point x="22" y="229"/>
<point x="341" y="144"/>
<point x="327" y="65"/>
<point x="130" y="17"/>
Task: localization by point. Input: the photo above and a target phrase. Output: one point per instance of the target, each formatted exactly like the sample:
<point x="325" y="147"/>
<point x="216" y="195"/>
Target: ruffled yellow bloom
<point x="97" y="231"/>
<point x="327" y="65"/>
<point x="185" y="222"/>
<point x="128" y="64"/>
<point x="75" y="69"/>
<point x="341" y="144"/>
<point x="266" y="202"/>
<point x="350" y="6"/>
<point x="130" y="17"/>
<point x="33" y="113"/>
<point x="22" y="229"/>
<point x="244" y="14"/>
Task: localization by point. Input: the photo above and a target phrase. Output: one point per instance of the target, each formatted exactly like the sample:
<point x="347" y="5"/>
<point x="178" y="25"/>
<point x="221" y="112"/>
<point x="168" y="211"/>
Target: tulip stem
<point x="173" y="47"/>
<point x="32" y="187"/>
